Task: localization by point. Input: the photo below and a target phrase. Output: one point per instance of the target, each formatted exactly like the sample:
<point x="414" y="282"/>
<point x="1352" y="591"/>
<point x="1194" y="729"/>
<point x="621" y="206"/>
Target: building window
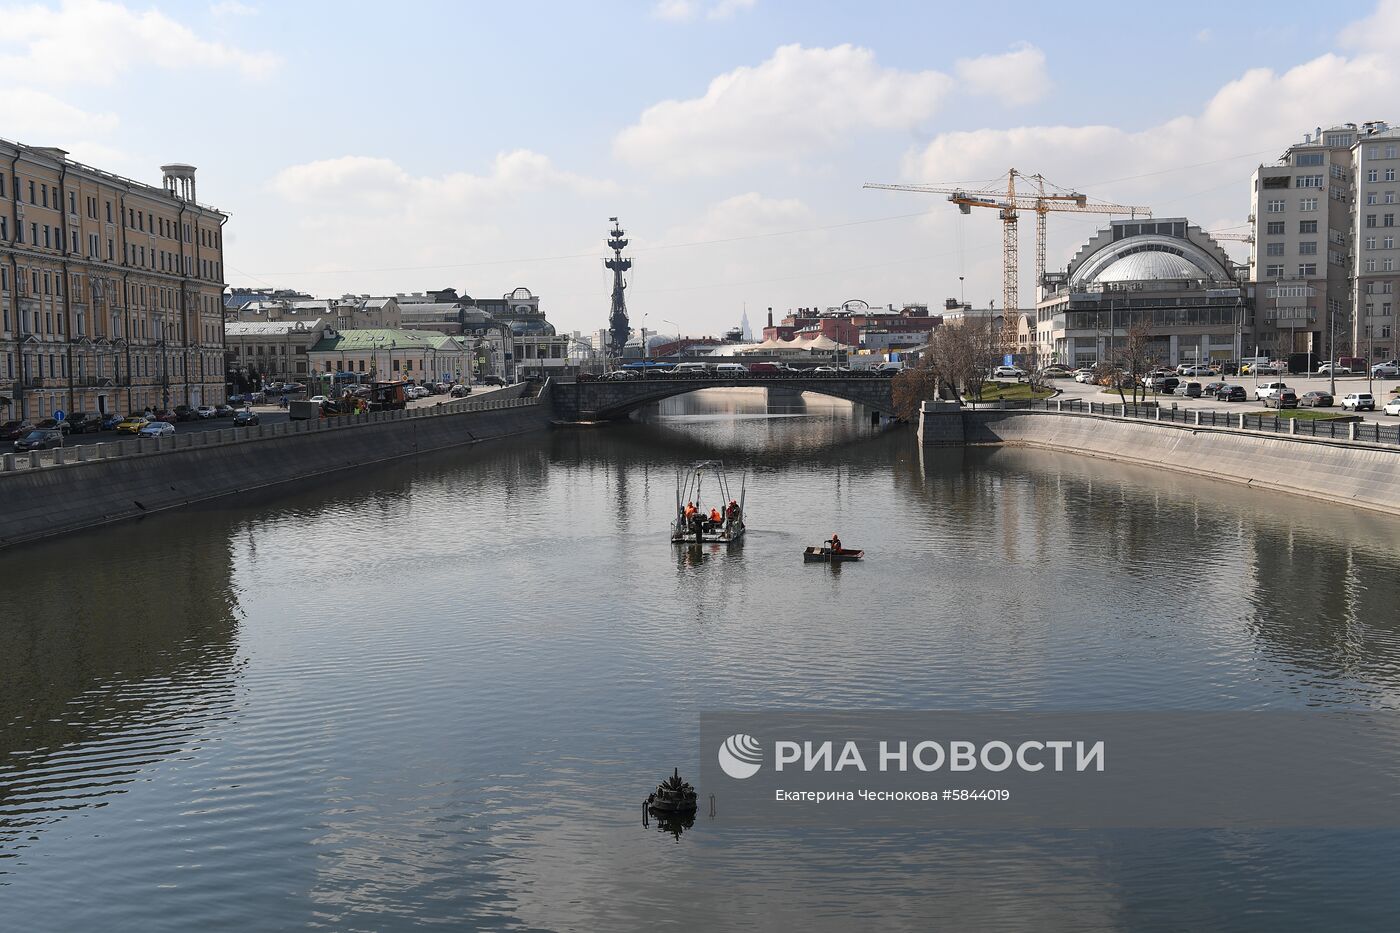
<point x="1370" y="265"/>
<point x="1274" y="272"/>
<point x="1388" y="242"/>
<point x="1338" y="140"/>
<point x="1307" y="204"/>
<point x="1309" y="181"/>
<point x="1370" y="220"/>
<point x="1307" y="268"/>
<point x="1307" y="248"/>
<point x="1307" y="226"/>
<point x="1389" y="221"/>
<point x="1373" y="175"/>
<point x="1390" y="152"/>
<point x="1308" y="158"/>
<point x="1390" y="174"/>
<point x="1371" y="197"/>
<point x="1275" y="207"/>
<point x="1387" y="264"/>
<point x="1274" y="228"/>
<point x="1273" y="249"/>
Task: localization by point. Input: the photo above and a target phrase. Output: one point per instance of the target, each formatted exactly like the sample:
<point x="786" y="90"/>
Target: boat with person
<point x="831" y="551"/>
<point x="706" y="510"/>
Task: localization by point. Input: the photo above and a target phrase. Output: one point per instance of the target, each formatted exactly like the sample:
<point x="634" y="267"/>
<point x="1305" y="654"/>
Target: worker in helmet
<point x="716" y="519"/>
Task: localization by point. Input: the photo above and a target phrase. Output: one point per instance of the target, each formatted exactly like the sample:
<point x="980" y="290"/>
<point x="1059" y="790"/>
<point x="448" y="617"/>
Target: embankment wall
<point x="1336" y="471"/>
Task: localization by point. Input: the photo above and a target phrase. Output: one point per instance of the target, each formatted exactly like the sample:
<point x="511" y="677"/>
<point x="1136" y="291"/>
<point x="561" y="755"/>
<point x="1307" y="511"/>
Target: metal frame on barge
<point x="698" y="528"/>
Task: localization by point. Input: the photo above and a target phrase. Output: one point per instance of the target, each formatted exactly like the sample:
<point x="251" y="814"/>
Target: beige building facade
<point x="110" y="289"/>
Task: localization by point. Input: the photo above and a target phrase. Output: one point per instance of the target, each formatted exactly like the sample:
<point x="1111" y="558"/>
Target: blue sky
<point x="385" y="148"/>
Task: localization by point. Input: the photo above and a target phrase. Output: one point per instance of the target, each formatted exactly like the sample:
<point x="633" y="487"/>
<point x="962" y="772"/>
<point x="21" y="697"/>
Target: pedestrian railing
<point x="1343" y="428"/>
<point x="136" y="447"/>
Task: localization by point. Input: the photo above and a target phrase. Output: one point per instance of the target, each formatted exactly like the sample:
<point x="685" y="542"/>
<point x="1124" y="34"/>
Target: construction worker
<point x="716" y="518"/>
<point x="690" y="511"/>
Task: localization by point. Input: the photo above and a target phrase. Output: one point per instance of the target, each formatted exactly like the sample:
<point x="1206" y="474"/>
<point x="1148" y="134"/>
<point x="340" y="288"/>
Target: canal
<point x="436" y="692"/>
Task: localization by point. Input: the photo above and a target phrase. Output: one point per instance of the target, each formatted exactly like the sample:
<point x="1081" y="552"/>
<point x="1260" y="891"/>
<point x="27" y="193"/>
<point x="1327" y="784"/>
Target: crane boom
<point x="1009" y="202"/>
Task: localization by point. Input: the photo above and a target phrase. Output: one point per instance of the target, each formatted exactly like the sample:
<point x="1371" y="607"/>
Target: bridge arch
<point x="606" y="400"/>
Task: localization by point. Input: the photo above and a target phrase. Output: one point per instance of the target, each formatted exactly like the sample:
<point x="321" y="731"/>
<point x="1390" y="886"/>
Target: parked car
<point x="166" y="416"/>
<point x="1232" y="394"/>
<point x="1359" y="401"/>
<point x="156" y="429"/>
<point x="48" y="424"/>
<point x="492" y="381"/>
<point x="1210" y="388"/>
<point x="1392" y="407"/>
<point x="1189" y="389"/>
<point x="1385" y="370"/>
<point x="244" y="418"/>
<point x="80" y="422"/>
<point x="185" y="413"/>
<point x="132" y="423"/>
<point x="110" y="422"/>
<point x="1163" y="384"/>
<point x="205" y="412"/>
<point x="464" y="391"/>
<point x="223" y="411"/>
<point x="1283" y="399"/>
<point x="14" y="430"/>
<point x="1084" y="374"/>
<point x="1056" y="371"/>
<point x="1264" y="389"/>
<point x="1326" y="369"/>
<point x="1201" y="371"/>
<point x="1007" y="372"/>
<point x="1315" y="399"/>
<point x="40" y="439"/>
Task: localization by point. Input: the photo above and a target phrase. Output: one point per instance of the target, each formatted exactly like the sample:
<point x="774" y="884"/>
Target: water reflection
<point x="436" y="691"/>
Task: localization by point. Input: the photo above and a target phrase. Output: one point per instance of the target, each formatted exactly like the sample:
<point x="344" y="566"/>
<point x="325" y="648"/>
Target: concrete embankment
<point x="1356" y="474"/>
<point x="54" y="500"/>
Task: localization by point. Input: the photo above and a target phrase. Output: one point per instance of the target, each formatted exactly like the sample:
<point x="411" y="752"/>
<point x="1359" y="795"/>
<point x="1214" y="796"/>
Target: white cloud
<point x="232" y="8"/>
<point x="1204" y="35"/>
<point x="1377" y="32"/>
<point x="94" y="41"/>
<point x="686" y="10"/>
<point x="378" y="183"/>
<point x="41" y="119"/>
<point x="743" y="215"/>
<point x="1016" y="77"/>
<point x="798" y="101"/>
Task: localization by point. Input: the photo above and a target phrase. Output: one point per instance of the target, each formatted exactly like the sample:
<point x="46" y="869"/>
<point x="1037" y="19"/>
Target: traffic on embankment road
<point x="265" y="414"/>
<point x="1381" y="391"/>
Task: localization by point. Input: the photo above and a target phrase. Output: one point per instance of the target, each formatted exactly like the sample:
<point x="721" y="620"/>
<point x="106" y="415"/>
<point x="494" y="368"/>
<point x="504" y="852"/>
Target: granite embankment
<point x="140" y="477"/>
<point x="1357" y="474"/>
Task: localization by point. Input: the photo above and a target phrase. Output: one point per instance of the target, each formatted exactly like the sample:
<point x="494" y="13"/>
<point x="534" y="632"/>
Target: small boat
<point x="824" y="555"/>
<point x="691" y="487"/>
<point x="672" y="796"/>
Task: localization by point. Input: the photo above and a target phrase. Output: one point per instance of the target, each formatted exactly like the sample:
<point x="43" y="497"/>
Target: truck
<point x="304" y="411"/>
<point x="388" y="396"/>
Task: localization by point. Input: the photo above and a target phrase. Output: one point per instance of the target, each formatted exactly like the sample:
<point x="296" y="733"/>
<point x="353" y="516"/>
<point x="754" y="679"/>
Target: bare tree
<point x="914" y="386"/>
<point x="962" y="352"/>
<point x="1136" y="358"/>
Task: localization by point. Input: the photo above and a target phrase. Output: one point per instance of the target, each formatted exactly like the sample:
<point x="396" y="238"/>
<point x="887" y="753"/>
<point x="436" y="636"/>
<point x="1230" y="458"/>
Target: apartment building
<point x="110" y="289"/>
<point x="1324" y="257"/>
<point x="1376" y="156"/>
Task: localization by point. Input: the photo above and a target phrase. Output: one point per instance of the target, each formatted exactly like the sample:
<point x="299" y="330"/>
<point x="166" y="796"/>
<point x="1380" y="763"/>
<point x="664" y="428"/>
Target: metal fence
<point x="1339" y="429"/>
<point x="130" y="447"/>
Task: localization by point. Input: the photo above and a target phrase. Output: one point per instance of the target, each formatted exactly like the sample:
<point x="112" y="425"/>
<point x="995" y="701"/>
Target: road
<point x="267" y="414"/>
<point x="1381" y="389"/>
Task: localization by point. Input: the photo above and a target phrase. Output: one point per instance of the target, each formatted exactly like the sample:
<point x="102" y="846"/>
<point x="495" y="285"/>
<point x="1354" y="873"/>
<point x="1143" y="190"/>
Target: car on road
<point x="1359" y="401"/>
<point x="464" y="391"/>
<point x="205" y="412"/>
<point x="80" y="422"/>
<point x="48" y="424"/>
<point x="1315" y="399"/>
<point x="1385" y="370"/>
<point x="1193" y="369"/>
<point x="1231" y="393"/>
<point x="110" y="422"/>
<point x="1264" y="389"/>
<point x="1392" y="407"/>
<point x="185" y="413"/>
<point x="167" y="416"/>
<point x="244" y="418"/>
<point x="14" y="430"/>
<point x="1327" y="369"/>
<point x="318" y="399"/>
<point x="1056" y="371"/>
<point x="491" y="381"/>
<point x="1084" y="374"/>
<point x="223" y="411"/>
<point x="1284" y="399"/>
<point x="1005" y="372"/>
<point x="156" y="429"/>
<point x="731" y="369"/>
<point x="40" y="439"/>
<point x="132" y="423"/>
<point x="1351" y="364"/>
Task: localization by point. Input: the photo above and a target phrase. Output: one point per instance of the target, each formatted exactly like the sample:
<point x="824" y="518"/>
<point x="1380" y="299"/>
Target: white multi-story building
<point x="1324" y="259"/>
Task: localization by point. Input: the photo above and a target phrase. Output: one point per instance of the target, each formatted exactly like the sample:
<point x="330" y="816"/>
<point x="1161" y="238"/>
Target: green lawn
<point x="1011" y="392"/>
<point x="1307" y="414"/>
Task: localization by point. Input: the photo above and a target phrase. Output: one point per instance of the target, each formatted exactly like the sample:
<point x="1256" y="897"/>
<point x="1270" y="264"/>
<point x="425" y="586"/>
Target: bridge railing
<point x="1340" y="429"/>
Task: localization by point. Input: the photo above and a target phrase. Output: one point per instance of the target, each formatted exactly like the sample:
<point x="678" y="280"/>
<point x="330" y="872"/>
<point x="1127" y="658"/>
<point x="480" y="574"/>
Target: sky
<point x="383" y="148"/>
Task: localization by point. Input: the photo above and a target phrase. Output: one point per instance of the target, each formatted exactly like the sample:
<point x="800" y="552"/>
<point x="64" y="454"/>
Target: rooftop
<point x="384" y="338"/>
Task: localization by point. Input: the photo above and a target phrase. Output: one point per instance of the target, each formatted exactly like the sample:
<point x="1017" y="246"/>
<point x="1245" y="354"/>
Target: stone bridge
<point x="603" y="400"/>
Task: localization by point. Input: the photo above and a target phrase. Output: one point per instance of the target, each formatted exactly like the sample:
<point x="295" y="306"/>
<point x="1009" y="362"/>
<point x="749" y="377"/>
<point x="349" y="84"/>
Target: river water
<point x="435" y="693"/>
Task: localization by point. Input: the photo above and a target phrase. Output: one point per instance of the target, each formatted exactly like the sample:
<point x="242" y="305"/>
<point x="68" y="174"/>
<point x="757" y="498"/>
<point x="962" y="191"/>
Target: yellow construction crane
<point x="1043" y="198"/>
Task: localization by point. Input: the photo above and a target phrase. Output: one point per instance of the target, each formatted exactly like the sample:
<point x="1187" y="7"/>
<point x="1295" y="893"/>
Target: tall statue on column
<point x="618" y="331"/>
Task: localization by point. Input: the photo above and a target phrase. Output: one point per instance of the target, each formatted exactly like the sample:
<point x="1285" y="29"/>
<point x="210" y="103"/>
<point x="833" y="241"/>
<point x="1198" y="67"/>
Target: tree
<point x="1136" y="358"/>
<point x="914" y="386"/>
